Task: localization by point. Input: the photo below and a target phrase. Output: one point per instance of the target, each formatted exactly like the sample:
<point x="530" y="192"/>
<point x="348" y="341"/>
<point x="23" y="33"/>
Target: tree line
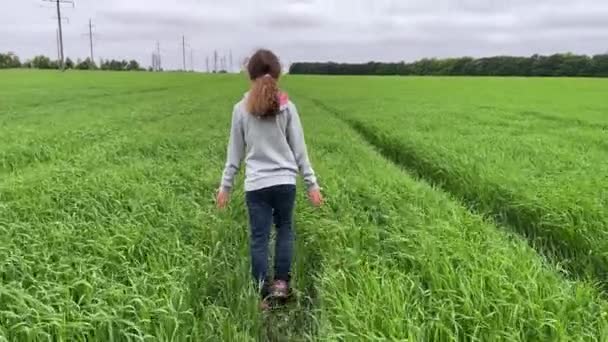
<point x="10" y="61"/>
<point x="554" y="65"/>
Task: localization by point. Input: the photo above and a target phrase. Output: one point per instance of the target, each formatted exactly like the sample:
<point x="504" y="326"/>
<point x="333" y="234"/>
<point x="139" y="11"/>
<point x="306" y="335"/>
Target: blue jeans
<point x="265" y="206"/>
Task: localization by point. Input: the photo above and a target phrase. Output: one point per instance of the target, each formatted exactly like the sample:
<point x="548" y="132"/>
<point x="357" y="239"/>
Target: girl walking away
<point x="266" y="132"/>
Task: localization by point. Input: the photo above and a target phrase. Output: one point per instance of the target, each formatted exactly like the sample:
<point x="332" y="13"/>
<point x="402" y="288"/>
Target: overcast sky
<point x="308" y="30"/>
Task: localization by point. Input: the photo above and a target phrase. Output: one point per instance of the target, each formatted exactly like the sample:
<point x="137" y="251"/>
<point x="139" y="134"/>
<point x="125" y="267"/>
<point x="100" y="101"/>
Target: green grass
<point x="530" y="153"/>
<point x="108" y="229"/>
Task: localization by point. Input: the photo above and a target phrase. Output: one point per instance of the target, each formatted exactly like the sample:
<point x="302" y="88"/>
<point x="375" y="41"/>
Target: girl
<point x="267" y="133"/>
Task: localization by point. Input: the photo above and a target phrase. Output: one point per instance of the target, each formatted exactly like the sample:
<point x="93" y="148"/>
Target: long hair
<point x="264" y="71"/>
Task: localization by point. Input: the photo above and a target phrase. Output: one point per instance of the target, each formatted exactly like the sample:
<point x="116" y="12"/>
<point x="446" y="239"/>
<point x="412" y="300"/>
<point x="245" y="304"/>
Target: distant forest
<point x="10" y="60"/>
<point x="568" y="65"/>
<point x="555" y="65"/>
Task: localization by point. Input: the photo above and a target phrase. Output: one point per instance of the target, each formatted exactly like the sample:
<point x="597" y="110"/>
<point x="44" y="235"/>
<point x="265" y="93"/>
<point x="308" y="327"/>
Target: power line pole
<point x="158" y="52"/>
<point x="207" y="63"/>
<point x="184" y="51"/>
<point x="158" y="58"/>
<point x="60" y="35"/>
<point x="156" y="62"/>
<point x="58" y="46"/>
<point x="91" y="40"/>
<point x="59" y="25"/>
<point x="191" y="59"/>
<point x="215" y="61"/>
<point x="231" y="66"/>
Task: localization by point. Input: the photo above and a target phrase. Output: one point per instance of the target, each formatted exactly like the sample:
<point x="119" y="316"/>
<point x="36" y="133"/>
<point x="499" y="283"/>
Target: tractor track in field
<point x="562" y="120"/>
<point x="575" y="263"/>
<point x="98" y="96"/>
<point x="296" y="321"/>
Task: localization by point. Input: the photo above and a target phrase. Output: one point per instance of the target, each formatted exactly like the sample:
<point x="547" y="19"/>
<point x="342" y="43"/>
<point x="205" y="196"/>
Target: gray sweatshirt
<point x="273" y="148"/>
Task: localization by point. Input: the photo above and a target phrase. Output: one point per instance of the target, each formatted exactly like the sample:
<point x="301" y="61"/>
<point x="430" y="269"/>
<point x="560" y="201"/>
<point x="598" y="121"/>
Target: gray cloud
<point x="292" y="20"/>
<point x="339" y="30"/>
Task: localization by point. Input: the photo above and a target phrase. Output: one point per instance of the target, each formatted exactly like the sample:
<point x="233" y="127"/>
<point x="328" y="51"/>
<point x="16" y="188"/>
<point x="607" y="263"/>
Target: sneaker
<point x="280" y="289"/>
<point x="264" y="305"/>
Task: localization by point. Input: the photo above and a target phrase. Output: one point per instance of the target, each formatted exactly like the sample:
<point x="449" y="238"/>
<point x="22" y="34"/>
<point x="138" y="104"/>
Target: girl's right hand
<point x="222" y="199"/>
<point x="315" y="197"/>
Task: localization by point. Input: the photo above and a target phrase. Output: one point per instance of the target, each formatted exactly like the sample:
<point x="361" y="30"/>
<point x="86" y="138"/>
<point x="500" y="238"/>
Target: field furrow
<point x="109" y="230"/>
<point x="549" y="186"/>
<point x="131" y="249"/>
<point x="130" y="220"/>
<point x="403" y="260"/>
<point x="570" y="251"/>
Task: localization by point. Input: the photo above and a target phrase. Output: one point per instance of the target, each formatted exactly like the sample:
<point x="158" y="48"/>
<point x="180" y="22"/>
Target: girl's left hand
<point x="223" y="198"/>
<point x="315" y="197"/>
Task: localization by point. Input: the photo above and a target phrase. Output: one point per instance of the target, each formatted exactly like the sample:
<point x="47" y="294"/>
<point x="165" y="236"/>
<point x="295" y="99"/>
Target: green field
<point x="468" y="209"/>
